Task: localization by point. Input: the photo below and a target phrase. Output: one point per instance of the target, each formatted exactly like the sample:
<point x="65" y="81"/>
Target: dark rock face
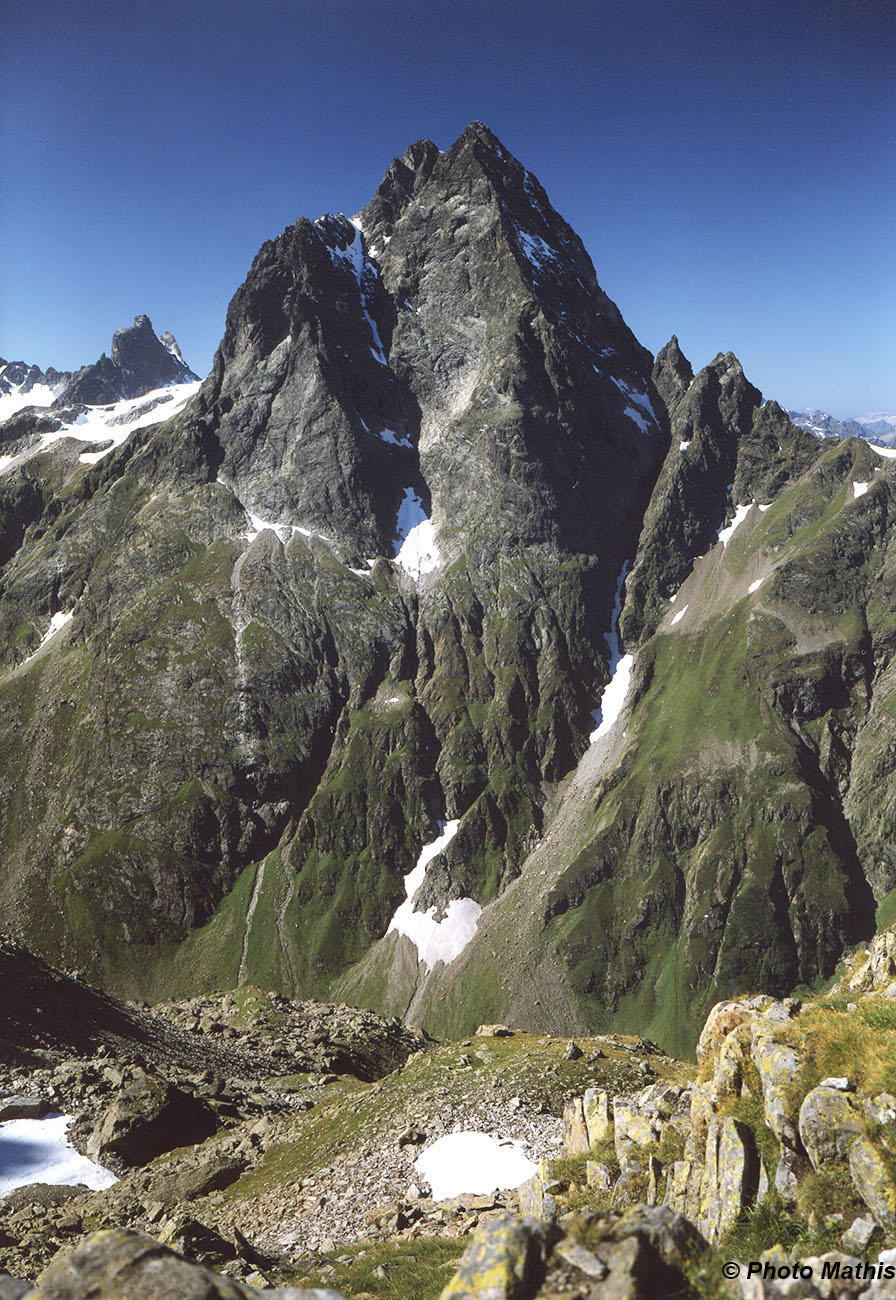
<point x="138" y="362"/>
<point x="455" y="352"/>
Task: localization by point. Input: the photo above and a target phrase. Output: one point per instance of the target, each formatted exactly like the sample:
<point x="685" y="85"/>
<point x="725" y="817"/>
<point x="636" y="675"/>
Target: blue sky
<point x="731" y="167"/>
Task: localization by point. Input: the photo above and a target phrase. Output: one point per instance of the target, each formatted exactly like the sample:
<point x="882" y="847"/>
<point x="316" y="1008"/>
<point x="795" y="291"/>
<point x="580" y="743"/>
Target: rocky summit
<point x="445" y="654"/>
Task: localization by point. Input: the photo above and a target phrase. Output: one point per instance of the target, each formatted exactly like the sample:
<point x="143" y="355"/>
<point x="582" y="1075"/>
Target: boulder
<point x="23" y="1108"/>
<point x="504" y="1261"/>
<point x="149" y="1117"/>
<point x="829" y="1123"/>
<point x="117" y="1264"/>
<point x="873" y="1181"/>
<point x="13" y="1288"/>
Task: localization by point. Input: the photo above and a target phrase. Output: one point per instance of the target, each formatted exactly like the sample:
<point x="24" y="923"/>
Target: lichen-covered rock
<point x="829" y="1123"/>
<point x="597" y="1113"/>
<point x="778" y="1064"/>
<point x="683" y="1187"/>
<point x="722" y="1019"/>
<point x="504" y="1261"/>
<point x="873" y="1181"/>
<point x="575" y="1133"/>
<point x="730" y="1179"/>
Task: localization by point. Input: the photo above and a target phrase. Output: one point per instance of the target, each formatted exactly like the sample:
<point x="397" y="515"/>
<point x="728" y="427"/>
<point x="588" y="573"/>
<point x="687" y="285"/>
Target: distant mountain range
<point x="879" y="426"/>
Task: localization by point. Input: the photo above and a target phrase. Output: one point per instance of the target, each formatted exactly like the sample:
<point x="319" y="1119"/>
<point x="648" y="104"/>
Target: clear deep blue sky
<point x="731" y="167"/>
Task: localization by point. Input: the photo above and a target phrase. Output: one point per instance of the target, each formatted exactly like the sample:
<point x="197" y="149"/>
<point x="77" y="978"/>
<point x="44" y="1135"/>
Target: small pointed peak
<point x="726" y="361"/>
<point x="417" y="154"/>
<point x="478" y="136"/>
<point x="672" y="372"/>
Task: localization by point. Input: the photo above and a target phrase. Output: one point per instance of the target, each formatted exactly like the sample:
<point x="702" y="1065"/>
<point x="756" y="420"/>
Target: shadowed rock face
<point x="222" y="767"/>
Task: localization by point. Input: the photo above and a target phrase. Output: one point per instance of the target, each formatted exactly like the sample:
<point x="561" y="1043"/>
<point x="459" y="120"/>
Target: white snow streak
<point x="57" y="622"/>
<point x="415" y="549"/>
<point x="640" y="401"/>
<point x="754" y="586"/>
<point x="354" y="255"/>
<point x="888" y="452"/>
<point x="38" y="1151"/>
<point x="680" y="615"/>
<point x="257" y="525"/>
<point x="434" y="940"/>
<point x="535" y="249"/>
<point x="615" y="691"/>
<point x="740" y="514"/>
<point x="396" y="439"/>
<point x="473" y="1163"/>
<point x="859" y="489"/>
<point x="119" y="421"/>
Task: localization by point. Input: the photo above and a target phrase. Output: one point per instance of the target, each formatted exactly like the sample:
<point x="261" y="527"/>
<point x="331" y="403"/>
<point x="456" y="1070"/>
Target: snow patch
<point x="38" y="1151"/>
<point x="615" y="691"/>
<point x="473" y="1163"/>
<point x="859" y="489"/>
<point x="396" y="439"/>
<point x="639" y="409"/>
<point x="754" y="586"/>
<point x="257" y="525"/>
<point x="415" y="549"/>
<point x="683" y="446"/>
<point x="888" y="452"/>
<point x="740" y="514"/>
<point x="434" y="940"/>
<point x="17" y="399"/>
<point x="119" y="421"/>
<point x="57" y="623"/>
<point x="536" y="250"/>
<point x="764" y="508"/>
<point x="680" y="615"/>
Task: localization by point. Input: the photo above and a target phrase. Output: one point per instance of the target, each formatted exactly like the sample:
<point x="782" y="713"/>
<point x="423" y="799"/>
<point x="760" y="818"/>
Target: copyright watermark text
<point x="829" y="1270"/>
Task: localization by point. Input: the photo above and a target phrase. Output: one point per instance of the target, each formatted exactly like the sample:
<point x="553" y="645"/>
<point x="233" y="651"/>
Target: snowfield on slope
<point x="434" y="940"/>
<point x="415" y="548"/>
<point x="113" y="424"/>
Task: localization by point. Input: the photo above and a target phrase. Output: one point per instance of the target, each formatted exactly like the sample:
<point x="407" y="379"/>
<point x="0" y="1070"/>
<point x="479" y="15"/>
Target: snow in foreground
<point x="475" y="1163"/>
<point x="37" y="1151"/>
<point x="615" y="691"/>
<point x="434" y="940"/>
<point x="415" y="549"/>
